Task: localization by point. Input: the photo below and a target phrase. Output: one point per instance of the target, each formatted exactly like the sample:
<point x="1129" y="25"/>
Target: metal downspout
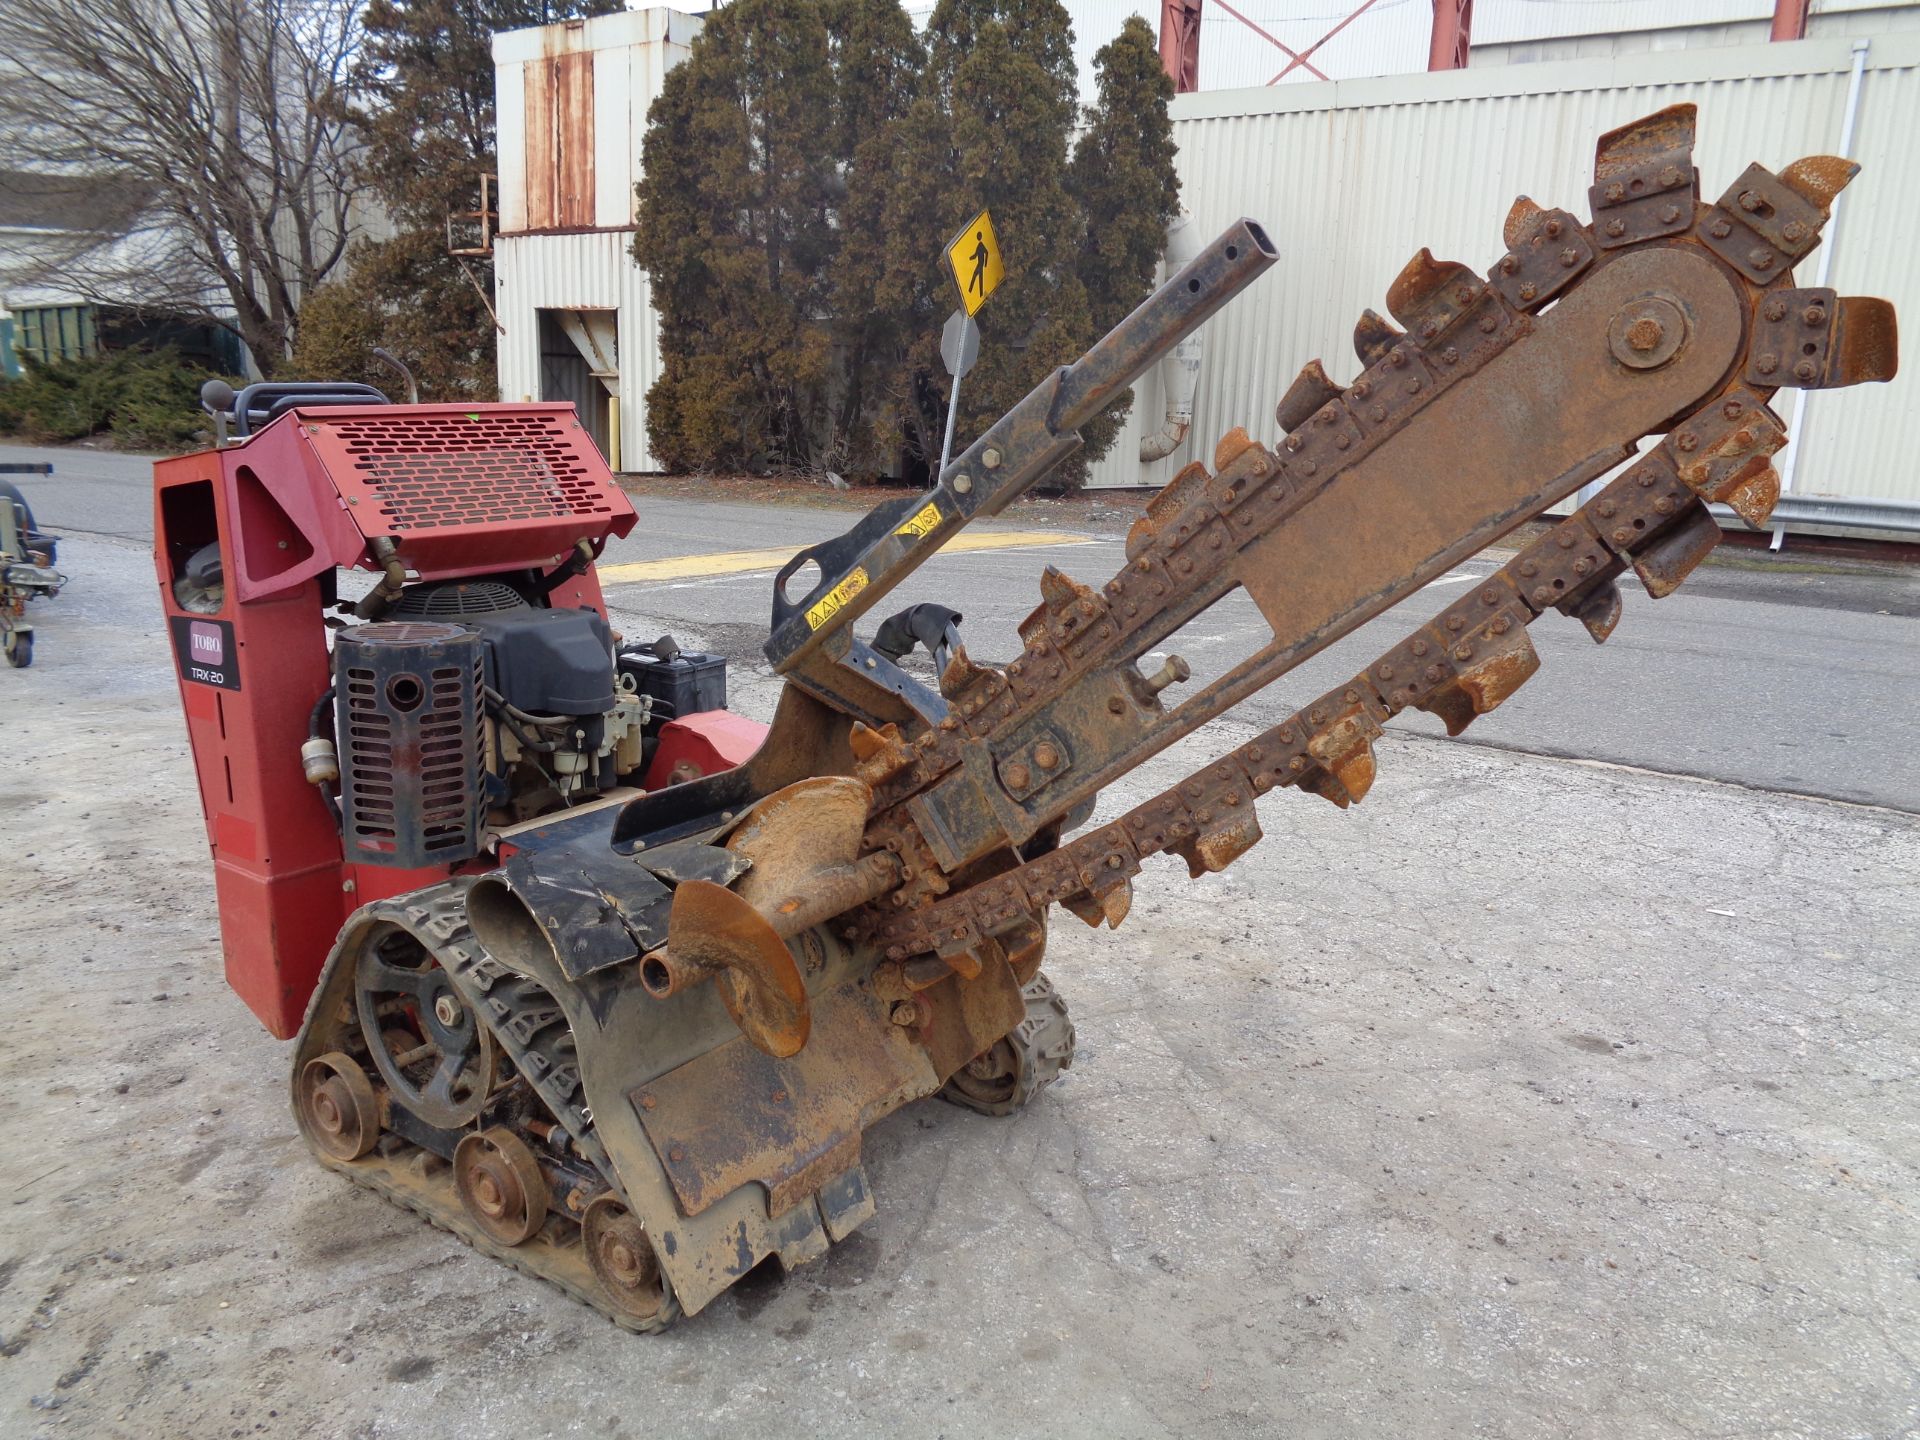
<point x="1180" y="371"/>
<point x="1790" y="461"/>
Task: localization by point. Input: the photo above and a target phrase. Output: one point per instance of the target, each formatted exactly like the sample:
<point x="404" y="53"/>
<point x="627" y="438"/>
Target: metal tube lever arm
<point x="860" y="567"/>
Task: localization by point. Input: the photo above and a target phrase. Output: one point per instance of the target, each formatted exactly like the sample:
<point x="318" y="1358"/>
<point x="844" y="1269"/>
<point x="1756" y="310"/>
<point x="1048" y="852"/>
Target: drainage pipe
<point x="1790" y="461"/>
<point x="1180" y="371"/>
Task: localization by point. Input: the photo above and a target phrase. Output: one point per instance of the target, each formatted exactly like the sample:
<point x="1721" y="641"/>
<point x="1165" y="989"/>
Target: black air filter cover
<point x="407" y="713"/>
<point x="549" y="662"/>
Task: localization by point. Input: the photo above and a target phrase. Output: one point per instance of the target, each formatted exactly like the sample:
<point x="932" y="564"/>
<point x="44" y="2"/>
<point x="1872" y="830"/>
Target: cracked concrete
<point x="1530" y="1098"/>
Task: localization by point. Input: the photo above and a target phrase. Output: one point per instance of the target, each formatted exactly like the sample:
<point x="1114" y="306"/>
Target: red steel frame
<point x="288" y="506"/>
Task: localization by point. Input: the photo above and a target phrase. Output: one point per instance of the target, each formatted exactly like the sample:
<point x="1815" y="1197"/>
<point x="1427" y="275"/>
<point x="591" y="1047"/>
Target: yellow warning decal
<point x="924" y="521"/>
<point x="835" y="600"/>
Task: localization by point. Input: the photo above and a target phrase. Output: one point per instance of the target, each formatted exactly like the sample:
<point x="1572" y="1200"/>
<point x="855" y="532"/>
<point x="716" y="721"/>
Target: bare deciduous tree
<point x="223" y="122"/>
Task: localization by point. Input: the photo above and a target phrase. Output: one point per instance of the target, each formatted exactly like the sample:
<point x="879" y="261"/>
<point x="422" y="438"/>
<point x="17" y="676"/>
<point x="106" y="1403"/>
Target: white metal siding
<point x="632" y="52"/>
<point x="510" y="160"/>
<point x="1351" y="178"/>
<point x="578" y="272"/>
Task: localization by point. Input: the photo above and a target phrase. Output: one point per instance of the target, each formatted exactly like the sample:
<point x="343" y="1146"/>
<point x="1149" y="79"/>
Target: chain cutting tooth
<point x="1762" y="225"/>
<point x="1310" y="389"/>
<point x="1341" y="765"/>
<point x="1520" y="218"/>
<point x="1644" y="183"/>
<point x="1427" y="293"/>
<point x="1373" y="336"/>
<point x="1547" y="253"/>
<point x="1865" y="345"/>
<point x="1721" y="452"/>
<point x="1666" y="561"/>
<point x="1598" y="609"/>
<point x="1165" y="503"/>
<point x="1490" y="668"/>
<point x="1212" y="850"/>
<point x="1818" y="178"/>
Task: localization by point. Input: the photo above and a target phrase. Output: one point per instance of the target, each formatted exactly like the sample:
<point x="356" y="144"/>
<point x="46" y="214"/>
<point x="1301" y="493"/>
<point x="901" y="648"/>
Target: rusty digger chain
<point x="640" y="1055"/>
<point x="1483" y="402"/>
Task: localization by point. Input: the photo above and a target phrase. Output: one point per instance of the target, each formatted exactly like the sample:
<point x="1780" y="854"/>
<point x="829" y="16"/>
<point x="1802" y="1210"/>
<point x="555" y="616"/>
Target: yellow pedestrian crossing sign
<point x="974" y="257"/>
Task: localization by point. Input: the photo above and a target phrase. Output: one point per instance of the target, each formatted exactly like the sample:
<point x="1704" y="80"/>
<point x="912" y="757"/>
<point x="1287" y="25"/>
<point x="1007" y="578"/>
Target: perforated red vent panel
<point x="437" y="477"/>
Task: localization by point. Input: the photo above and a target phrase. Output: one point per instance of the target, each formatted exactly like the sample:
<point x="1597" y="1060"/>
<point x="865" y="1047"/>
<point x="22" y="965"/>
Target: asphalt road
<point x="1777" y="673"/>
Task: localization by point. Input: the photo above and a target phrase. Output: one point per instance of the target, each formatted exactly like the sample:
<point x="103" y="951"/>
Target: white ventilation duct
<point x="1180" y="371"/>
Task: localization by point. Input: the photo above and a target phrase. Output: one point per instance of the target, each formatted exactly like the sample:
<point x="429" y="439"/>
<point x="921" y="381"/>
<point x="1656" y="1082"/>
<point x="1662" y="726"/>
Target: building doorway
<point x="580" y="365"/>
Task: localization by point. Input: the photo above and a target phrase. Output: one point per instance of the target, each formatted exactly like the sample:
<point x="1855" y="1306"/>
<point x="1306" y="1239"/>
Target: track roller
<point x="621" y="1258"/>
<point x="501" y="1185"/>
<point x="336" y="1106"/>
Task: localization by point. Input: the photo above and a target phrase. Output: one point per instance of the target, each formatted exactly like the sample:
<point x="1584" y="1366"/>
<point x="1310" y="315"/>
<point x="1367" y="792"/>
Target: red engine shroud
<point x="463" y="490"/>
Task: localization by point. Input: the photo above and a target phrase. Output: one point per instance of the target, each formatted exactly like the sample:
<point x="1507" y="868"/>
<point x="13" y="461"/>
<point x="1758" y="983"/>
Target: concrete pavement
<point x="1418" y="1121"/>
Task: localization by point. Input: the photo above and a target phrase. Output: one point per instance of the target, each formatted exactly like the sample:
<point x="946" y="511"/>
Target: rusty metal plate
<point x="1529" y="428"/>
<point x="735" y="1116"/>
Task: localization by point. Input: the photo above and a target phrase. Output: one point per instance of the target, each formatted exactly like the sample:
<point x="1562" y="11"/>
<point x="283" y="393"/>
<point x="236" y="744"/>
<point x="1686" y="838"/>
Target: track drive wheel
<point x="434" y="1055"/>
<point x="622" y="1260"/>
<point x="336" y="1106"/>
<point x="501" y="1185"/>
<point x="1022" y="1063"/>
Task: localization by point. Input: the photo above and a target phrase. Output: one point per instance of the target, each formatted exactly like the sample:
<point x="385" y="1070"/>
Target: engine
<point x="469" y="709"/>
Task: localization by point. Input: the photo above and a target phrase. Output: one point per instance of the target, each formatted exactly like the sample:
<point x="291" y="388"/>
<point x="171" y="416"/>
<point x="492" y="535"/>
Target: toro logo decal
<point x="205" y="651"/>
<point x="835" y="600"/>
<point x="205" y="642"/>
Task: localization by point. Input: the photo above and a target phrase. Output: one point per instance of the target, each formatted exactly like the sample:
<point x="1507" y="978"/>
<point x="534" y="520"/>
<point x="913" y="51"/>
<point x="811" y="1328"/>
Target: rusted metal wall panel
<point x="560" y="142"/>
<point x="1351" y="178"/>
<point x="572" y="101"/>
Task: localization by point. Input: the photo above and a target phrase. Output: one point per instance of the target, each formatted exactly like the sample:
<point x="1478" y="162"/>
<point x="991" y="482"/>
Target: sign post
<point x="974" y="258"/>
<point x="959" y="348"/>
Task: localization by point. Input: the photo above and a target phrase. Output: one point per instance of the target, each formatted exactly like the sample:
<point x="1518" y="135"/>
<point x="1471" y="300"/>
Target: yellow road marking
<point x="741" y="562"/>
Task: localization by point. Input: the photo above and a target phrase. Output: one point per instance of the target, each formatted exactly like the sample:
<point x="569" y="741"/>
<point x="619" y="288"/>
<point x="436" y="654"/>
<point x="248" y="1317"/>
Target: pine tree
<point x="1003" y="72"/>
<point x="803" y="172"/>
<point x="424" y="108"/>
<point x="878" y="62"/>
<point x="736" y="232"/>
<point x="1126" y="186"/>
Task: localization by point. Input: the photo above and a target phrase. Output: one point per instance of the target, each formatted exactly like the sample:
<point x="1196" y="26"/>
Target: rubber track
<point x="439" y="912"/>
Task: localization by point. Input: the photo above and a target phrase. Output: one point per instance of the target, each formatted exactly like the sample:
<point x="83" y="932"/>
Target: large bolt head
<point x="446" y="1009"/>
<point x="1646" y="333"/>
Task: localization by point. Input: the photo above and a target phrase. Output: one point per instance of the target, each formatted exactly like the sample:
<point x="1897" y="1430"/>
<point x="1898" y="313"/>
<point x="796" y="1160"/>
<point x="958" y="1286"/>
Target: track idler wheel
<point x="501" y="1185"/>
<point x="621" y="1258"/>
<point x="335" y="1106"/>
<point x="1022" y="1063"/>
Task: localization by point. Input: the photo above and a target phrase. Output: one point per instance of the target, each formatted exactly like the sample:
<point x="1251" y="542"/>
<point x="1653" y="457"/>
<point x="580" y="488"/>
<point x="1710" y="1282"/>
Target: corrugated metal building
<point x="1390" y="36"/>
<point x="576" y="320"/>
<point x="1351" y="177"/>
